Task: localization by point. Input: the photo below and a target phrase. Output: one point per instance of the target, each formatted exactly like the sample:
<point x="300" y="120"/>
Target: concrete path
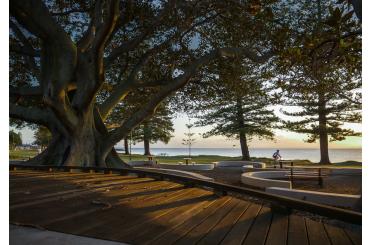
<point x="20" y="235"/>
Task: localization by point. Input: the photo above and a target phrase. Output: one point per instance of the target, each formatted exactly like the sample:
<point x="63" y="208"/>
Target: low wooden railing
<point x="275" y="200"/>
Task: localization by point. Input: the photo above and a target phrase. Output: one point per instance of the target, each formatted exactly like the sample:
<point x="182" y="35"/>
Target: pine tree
<point x="157" y="128"/>
<point x="189" y="140"/>
<point x="240" y="108"/>
<point x="323" y="79"/>
<point x="323" y="110"/>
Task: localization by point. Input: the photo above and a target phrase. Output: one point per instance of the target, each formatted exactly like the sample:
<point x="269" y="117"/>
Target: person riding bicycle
<point x="277" y="157"/>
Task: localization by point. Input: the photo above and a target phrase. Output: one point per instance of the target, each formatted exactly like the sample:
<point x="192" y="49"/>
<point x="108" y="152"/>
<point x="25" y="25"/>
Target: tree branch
<point x="58" y="54"/>
<point x="28" y="114"/>
<point x="25" y="91"/>
<point x="23" y="50"/>
<point x="120" y="92"/>
<point x="71" y="11"/>
<point x="123" y="88"/>
<point x="106" y="28"/>
<point x="134" y="42"/>
<point x="146" y="110"/>
<point x="26" y="47"/>
<point x="35" y="16"/>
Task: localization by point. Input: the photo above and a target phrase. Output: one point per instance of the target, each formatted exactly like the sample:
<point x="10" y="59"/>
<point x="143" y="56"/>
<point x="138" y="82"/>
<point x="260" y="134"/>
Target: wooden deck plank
<point x="58" y="208"/>
<point x="61" y="189"/>
<point x="241" y="228"/>
<point x="85" y="215"/>
<point x="198" y="232"/>
<point x="171" y="235"/>
<point x="316" y="232"/>
<point x="258" y="233"/>
<point x="53" y="183"/>
<point x="297" y="233"/>
<point x="65" y="195"/>
<point x="278" y="230"/>
<point x="79" y="180"/>
<point x="147" y="211"/>
<point x="126" y="210"/>
<point x="49" y="212"/>
<point x="43" y="174"/>
<point x="73" y="194"/>
<point x="173" y="218"/>
<point x="218" y="233"/>
<point x="60" y="176"/>
<point x="355" y="236"/>
<point x="140" y="230"/>
<point x="337" y="235"/>
<point x="73" y="177"/>
<point x="52" y="186"/>
<point x="37" y="182"/>
<point x="140" y="216"/>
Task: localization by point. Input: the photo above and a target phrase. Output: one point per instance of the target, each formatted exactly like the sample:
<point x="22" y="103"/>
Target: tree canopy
<point x="239" y="108"/>
<point x="72" y="63"/>
<point x="42" y="137"/>
<point x="323" y="78"/>
<point x="15" y="139"/>
<point x="159" y="127"/>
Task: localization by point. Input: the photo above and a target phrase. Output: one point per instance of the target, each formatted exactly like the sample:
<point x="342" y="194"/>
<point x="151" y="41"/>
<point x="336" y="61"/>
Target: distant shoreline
<point x="236" y="148"/>
<point x="313" y="155"/>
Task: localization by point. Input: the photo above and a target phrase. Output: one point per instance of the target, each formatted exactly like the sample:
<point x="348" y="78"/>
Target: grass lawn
<point x="22" y="154"/>
<point x="26" y="154"/>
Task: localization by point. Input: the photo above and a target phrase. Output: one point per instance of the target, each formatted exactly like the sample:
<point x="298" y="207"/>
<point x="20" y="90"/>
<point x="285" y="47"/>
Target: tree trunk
<point x="146" y="138"/>
<point x="244" y="147"/>
<point x="126" y="146"/>
<point x="323" y="140"/>
<point x="80" y="147"/>
<point x="146" y="144"/>
<point x="242" y="135"/>
<point x="323" y="134"/>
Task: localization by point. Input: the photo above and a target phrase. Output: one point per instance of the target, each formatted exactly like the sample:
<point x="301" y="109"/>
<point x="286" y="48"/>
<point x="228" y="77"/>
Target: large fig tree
<point x="72" y="62"/>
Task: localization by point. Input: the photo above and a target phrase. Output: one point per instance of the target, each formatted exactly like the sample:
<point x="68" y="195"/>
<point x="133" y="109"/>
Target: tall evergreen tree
<point x="323" y="77"/>
<point x="240" y="108"/>
<point x="157" y="128"/>
<point x="189" y="139"/>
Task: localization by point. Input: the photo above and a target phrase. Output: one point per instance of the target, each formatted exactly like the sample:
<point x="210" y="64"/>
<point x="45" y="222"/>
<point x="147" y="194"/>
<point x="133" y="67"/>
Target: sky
<point x="283" y="139"/>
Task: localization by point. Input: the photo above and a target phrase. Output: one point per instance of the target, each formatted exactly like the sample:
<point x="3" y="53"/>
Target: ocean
<point x="335" y="155"/>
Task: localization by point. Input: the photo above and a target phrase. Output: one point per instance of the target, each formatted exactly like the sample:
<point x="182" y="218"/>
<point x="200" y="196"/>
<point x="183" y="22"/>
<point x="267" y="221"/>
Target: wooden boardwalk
<point x="147" y="211"/>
